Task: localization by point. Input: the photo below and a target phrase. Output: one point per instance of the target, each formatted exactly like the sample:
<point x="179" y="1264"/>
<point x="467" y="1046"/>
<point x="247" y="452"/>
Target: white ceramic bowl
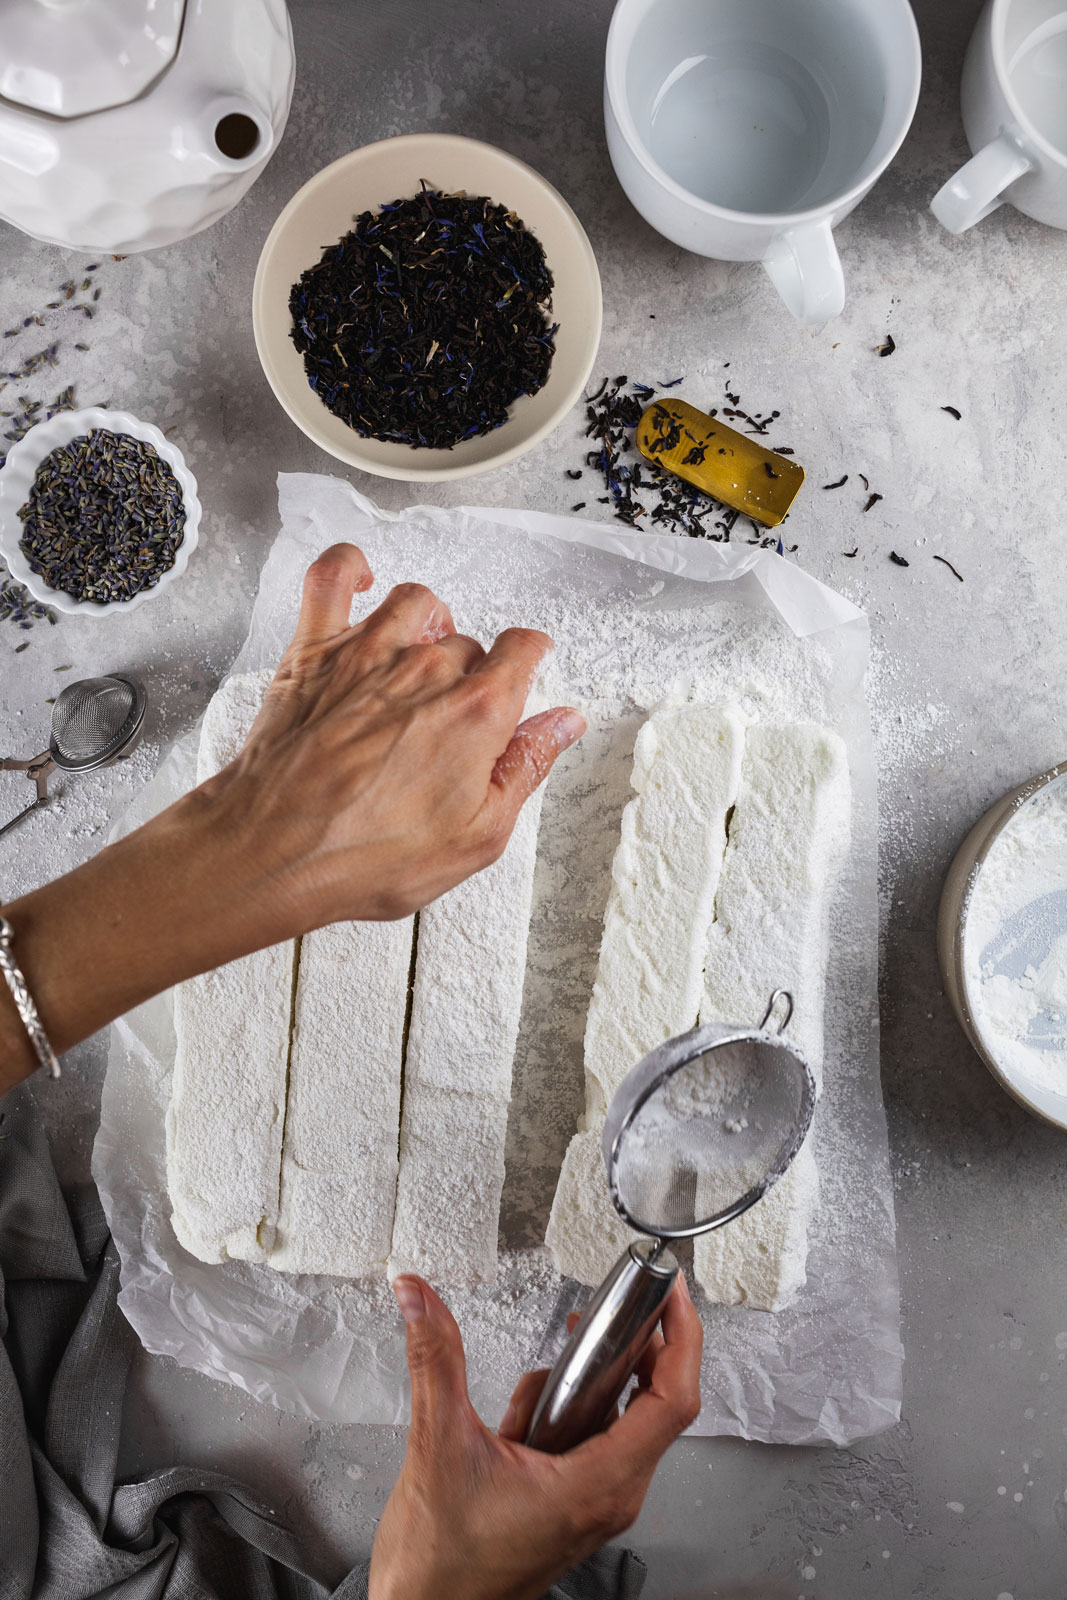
<point x="962" y="876"/>
<point x="324" y="210"/>
<point x="16" y="480"/>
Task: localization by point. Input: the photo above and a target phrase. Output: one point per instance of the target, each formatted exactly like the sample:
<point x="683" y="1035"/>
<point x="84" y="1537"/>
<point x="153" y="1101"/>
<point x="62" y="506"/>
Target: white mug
<point x="746" y="129"/>
<point x="1014" y="101"/>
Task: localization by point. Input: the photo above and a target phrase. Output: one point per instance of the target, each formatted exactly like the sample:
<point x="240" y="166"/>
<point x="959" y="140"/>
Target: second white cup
<point x="747" y="129"/>
<point x="1014" y="101"/>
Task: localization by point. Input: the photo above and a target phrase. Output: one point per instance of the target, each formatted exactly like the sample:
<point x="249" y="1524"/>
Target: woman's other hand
<point x="477" y="1515"/>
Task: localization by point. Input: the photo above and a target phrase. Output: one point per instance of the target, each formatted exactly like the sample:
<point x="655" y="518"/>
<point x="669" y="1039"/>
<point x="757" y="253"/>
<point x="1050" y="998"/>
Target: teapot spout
<point x="235" y="133"/>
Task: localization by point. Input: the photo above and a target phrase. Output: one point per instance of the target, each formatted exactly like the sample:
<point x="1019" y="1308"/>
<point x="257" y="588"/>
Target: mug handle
<point x="977" y="188"/>
<point x="805" y="268"/>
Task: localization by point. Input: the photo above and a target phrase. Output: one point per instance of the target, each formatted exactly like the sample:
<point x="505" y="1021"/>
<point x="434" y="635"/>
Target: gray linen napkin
<point x="67" y="1530"/>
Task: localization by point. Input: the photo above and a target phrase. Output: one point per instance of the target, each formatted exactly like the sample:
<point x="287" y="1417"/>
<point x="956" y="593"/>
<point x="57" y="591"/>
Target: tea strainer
<point x="94" y="722"/>
<point x="697" y="1132"/>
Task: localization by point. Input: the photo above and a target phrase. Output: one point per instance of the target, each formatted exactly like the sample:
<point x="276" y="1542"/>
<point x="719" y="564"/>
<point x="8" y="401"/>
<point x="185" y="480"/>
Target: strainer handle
<point x="37" y="770"/>
<point x="599" y="1358"/>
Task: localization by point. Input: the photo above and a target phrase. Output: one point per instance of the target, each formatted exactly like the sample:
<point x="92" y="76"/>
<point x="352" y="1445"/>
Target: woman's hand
<point x="390" y="759"/>
<point x="389" y="762"/>
<point x="478" y="1516"/>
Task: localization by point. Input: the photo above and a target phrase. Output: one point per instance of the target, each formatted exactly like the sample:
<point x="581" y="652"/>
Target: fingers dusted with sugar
<point x="410" y="614"/>
<point x="330" y="585"/>
<point x="514" y="657"/>
<point x="532" y="751"/>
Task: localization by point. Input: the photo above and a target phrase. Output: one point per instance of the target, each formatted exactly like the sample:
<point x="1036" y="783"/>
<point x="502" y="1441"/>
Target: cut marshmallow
<point x="470" y="964"/>
<point x="687" y="765"/>
<point x="788" y="838"/>
<point x="760" y="1259"/>
<point x="342" y="1122"/>
<point x="789" y="835"/>
<point x="227" y="1108"/>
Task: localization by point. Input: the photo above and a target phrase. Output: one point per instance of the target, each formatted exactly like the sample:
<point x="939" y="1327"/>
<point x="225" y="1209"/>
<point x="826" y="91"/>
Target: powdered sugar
<point x="1015" y="943"/>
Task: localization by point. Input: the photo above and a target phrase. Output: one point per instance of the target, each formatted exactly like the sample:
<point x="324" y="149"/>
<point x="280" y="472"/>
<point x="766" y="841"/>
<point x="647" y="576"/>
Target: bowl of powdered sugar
<point x="1002" y="940"/>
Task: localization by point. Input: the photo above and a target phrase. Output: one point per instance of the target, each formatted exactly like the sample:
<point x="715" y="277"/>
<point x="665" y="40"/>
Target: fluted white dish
<point x="16" y="480"/>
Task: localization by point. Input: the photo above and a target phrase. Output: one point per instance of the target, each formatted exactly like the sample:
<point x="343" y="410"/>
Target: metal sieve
<point x="697" y="1132"/>
<point x="94" y="722"/>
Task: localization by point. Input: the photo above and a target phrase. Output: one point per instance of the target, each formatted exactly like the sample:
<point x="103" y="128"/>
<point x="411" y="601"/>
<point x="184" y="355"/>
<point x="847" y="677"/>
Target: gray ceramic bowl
<point x="962" y="876"/>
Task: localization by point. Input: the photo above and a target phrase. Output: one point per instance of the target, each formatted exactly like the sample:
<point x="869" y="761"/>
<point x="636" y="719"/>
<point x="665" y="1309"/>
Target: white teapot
<point x="127" y="124"/>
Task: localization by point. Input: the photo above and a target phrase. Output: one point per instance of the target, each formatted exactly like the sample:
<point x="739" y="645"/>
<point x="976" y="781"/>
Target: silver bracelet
<point x="24" y="1000"/>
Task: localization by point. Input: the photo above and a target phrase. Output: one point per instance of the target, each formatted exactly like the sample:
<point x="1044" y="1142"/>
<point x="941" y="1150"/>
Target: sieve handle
<point x="599" y="1358"/>
<point x="37" y="770"/>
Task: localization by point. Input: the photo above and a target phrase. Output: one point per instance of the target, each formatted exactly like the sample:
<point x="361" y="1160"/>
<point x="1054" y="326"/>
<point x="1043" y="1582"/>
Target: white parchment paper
<point x="633" y="615"/>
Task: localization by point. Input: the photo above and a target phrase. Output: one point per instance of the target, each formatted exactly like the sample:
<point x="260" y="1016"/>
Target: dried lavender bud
<point x="104" y="517"/>
<point x="17" y="605"/>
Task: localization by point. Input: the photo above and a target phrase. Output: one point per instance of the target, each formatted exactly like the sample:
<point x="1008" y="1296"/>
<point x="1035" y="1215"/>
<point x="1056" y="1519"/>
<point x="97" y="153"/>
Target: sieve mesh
<point x="712" y="1133"/>
<point x="92" y="718"/>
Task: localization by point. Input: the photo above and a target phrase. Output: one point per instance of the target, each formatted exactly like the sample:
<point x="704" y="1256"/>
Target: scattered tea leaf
<point x="953" y="412"/>
<point x="637" y="488"/>
<point x="872" y="500"/>
<point x="899" y="560"/>
<point x="889" y="346"/>
<point x="946" y="563"/>
<point x="840" y="484"/>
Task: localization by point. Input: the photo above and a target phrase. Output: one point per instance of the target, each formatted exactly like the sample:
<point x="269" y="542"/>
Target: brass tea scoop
<point x="713" y="457"/>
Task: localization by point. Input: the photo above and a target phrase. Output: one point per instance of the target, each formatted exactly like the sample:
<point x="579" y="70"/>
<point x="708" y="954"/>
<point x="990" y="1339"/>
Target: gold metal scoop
<point x="729" y="465"/>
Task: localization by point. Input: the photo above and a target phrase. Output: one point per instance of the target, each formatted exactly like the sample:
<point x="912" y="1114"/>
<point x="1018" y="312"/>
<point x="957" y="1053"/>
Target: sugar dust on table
<point x="426" y="322"/>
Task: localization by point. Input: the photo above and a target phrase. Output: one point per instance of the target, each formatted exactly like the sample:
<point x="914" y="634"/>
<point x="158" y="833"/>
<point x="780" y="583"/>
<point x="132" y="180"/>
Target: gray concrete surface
<point x="967" y="1498"/>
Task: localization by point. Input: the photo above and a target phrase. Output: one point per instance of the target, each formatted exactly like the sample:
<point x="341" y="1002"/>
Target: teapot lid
<point x="71" y="57"/>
